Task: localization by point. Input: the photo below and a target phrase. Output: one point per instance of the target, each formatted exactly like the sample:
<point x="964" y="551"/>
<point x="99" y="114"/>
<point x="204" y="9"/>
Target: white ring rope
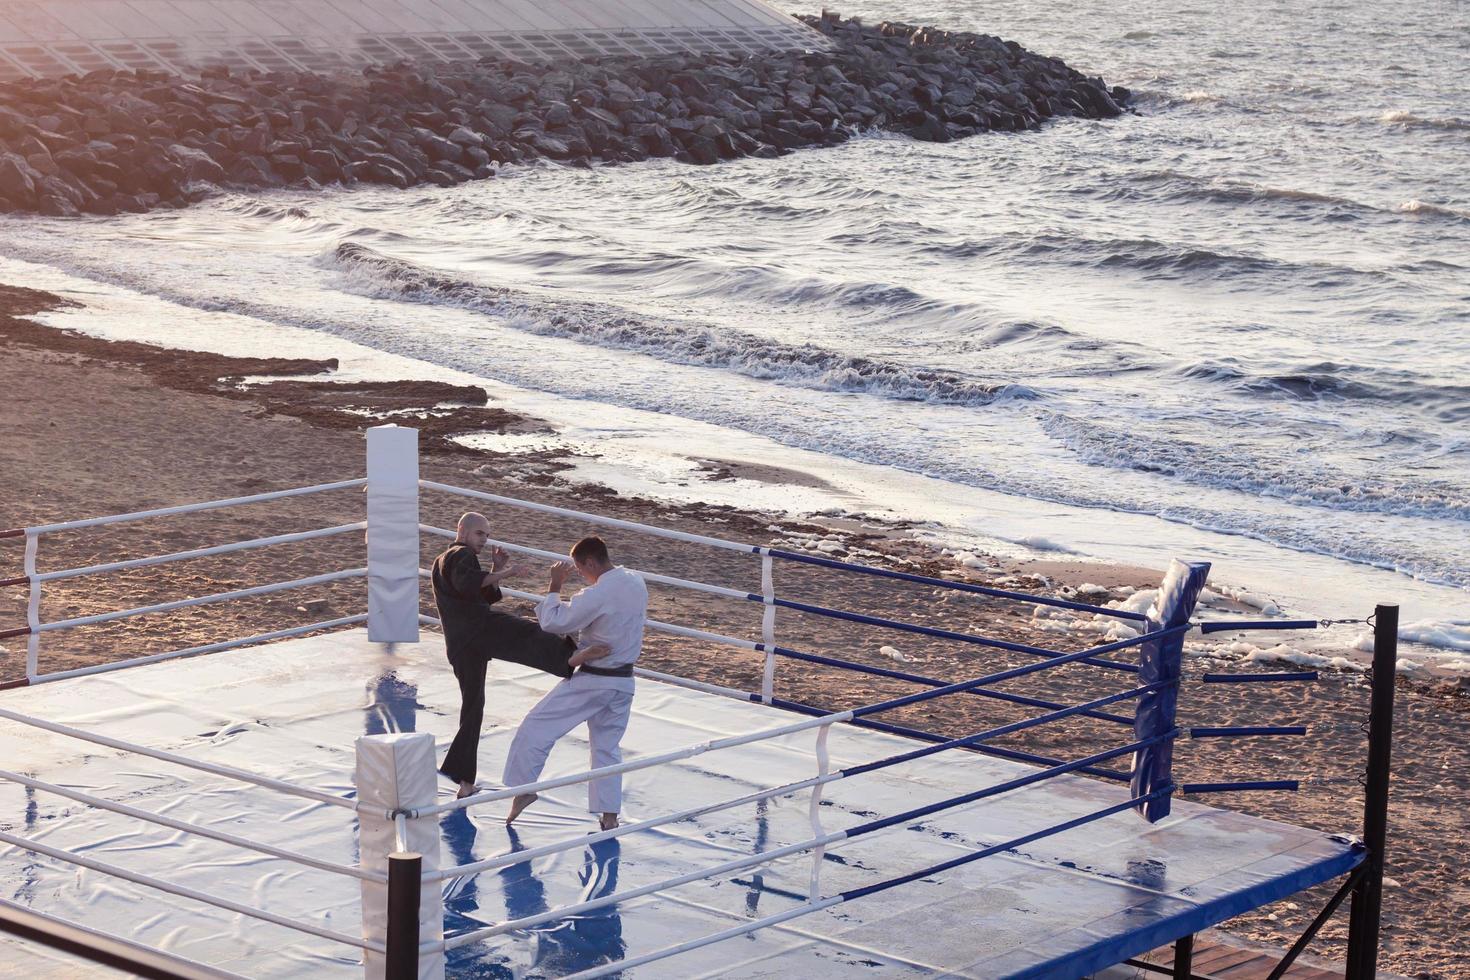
<point x="848" y="945"/>
<point x="183" y="892"/>
<point x="516" y="857"/>
<point x="688" y="632"/>
<point x="193" y="651"/>
<point x="526" y="922"/>
<point x="120" y="566"/>
<point x="618" y="966"/>
<point x="229" y="772"/>
<point x="140" y="515"/>
<point x="66" y="624"/>
<point x="193" y="828"/>
<point x="682" y="583"/>
<point x="657" y="532"/>
<point x="687" y="752"/>
<point x="825" y="776"/>
<point x="662" y="678"/>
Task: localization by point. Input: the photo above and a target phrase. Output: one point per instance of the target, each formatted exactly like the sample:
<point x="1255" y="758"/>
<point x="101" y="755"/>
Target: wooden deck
<point x="1217" y="959"/>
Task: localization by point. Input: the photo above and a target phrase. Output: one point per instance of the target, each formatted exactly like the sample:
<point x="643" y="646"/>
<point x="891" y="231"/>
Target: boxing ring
<point x="234" y="814"/>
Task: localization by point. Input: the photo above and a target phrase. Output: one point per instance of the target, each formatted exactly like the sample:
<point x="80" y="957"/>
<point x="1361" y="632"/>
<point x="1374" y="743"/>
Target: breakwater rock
<point x="109" y="142"/>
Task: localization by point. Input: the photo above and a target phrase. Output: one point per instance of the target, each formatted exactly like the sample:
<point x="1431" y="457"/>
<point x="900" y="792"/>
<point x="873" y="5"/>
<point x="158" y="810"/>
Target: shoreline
<point x="641" y="454"/>
<point x="114" y="411"/>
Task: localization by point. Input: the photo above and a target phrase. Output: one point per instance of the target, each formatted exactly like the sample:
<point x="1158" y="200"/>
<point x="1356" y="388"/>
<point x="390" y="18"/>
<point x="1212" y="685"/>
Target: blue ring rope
<point x="1247" y="730"/>
<point x="1003" y="675"/>
<point x="1285" y="785"/>
<point x="1019" y="782"/>
<point x="985" y="852"/>
<point x="1305" y="675"/>
<point x="997" y="732"/>
<point x="935" y="682"/>
<point x="1221" y="625"/>
<point x="1014" y="755"/>
<point x="848" y="566"/>
<point x="903" y="627"/>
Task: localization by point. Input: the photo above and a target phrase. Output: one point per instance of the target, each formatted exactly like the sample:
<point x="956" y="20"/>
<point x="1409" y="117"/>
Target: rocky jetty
<point x="109" y="142"/>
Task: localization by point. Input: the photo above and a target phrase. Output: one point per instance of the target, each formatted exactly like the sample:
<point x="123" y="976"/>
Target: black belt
<point x="624" y="671"/>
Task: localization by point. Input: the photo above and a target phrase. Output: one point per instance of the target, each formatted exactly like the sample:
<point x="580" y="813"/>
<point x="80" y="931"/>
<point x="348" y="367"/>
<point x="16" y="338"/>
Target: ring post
<point x="396" y="772"/>
<point x="393" y="534"/>
<point x="1367" y="908"/>
<point x="1162" y="661"/>
<point x="33" y="607"/>
<point x="405" y="872"/>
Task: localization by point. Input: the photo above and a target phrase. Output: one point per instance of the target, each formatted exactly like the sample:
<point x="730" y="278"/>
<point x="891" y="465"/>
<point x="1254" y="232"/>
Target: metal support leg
<point x="1348" y="887"/>
<point x="1184" y="958"/>
<point x="404" y="884"/>
<point x="1367" y="908"/>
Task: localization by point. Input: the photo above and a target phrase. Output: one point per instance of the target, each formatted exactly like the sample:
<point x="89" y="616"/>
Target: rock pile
<point x="111" y="141"/>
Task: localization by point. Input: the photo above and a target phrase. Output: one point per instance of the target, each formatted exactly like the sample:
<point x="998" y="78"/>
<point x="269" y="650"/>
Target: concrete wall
<point x="58" y="37"/>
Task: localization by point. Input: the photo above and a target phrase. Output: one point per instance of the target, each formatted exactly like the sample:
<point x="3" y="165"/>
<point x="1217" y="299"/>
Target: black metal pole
<point x="112" y="951"/>
<point x="404" y="885"/>
<point x="1348" y="887"/>
<point x="1367" y="909"/>
<point x="1184" y="958"/>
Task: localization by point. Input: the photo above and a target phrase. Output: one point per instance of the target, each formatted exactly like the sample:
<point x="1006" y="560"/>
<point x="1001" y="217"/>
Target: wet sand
<point x="91" y="427"/>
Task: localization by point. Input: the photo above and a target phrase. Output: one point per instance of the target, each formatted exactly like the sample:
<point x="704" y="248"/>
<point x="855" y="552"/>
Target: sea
<point x="1232" y="325"/>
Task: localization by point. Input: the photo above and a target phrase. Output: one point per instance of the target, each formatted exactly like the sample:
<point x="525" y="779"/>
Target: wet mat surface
<point x="1062" y="906"/>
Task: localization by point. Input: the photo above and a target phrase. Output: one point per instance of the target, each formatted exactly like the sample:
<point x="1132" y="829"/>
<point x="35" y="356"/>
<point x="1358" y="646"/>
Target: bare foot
<point x="466" y="789"/>
<point x="518" y="806"/>
<point x="594" y="652"/>
<point x="609" y="821"/>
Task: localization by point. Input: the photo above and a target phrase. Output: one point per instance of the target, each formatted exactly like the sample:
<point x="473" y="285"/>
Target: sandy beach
<point x="91" y="427"/>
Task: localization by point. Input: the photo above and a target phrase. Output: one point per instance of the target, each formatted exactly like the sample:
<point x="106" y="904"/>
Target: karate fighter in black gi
<point x="475" y="634"/>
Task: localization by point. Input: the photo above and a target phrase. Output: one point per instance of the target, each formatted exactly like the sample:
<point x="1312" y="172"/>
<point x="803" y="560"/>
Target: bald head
<point x="474" y="530"/>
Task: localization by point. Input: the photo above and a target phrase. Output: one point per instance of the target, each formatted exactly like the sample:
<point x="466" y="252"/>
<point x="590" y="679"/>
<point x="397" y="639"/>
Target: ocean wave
<point x="1230" y="467"/>
<point x="807" y="365"/>
<point x="1309" y="384"/>
<point x="1191" y="187"/>
<point x="1409" y="120"/>
<point x="251" y="207"/>
<point x="696" y="277"/>
<point x="1153" y="258"/>
<point x="1329" y="380"/>
<point x="1436" y="210"/>
<point x="1452" y="634"/>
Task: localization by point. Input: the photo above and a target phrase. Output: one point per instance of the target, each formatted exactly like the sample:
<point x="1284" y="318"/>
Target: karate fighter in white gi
<point x="609" y="611"/>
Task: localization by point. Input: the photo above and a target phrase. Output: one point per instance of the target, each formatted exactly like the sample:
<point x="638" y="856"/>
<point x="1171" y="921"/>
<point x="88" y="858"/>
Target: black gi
<point x="475" y="634"/>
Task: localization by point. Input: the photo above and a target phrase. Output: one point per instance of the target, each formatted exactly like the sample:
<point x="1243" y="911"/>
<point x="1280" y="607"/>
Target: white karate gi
<point x="610" y="611"/>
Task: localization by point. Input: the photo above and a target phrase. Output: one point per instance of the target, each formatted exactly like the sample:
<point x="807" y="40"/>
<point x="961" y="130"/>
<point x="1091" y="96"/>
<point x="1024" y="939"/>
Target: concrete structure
<point x="59" y="37"/>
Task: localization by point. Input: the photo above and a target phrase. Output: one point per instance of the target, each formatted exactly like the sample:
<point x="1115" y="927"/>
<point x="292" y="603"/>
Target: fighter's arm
<point x="564" y="617"/>
<point x="500" y="569"/>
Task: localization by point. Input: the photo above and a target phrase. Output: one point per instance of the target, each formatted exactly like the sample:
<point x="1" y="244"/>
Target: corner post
<point x="1367" y="908"/>
<point x="33" y="607"/>
<point x="1161" y="661"/>
<point x="396" y="772"/>
<point x="405" y="870"/>
<point x="393" y="534"/>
